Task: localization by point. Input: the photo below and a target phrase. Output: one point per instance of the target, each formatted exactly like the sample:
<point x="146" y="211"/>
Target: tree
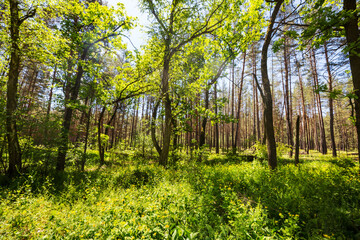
<point x="16" y="20"/>
<point x="325" y="20"/>
<point x="353" y="47"/>
<point x="266" y="94"/>
<point x="173" y="33"/>
<point x="86" y="25"/>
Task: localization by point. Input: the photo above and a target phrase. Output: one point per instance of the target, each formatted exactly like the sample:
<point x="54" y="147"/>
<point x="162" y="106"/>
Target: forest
<point x="234" y="119"/>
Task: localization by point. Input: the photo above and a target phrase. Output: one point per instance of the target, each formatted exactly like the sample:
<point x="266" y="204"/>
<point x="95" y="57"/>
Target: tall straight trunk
<point x="257" y="111"/>
<point x="153" y="129"/>
<point x="134" y="124"/>
<point x="307" y="137"/>
<point x="232" y="101"/>
<point x="100" y="144"/>
<point x="216" y="129"/>
<point x="267" y="96"/>
<point x="331" y="103"/>
<point x="81" y="122"/>
<point x="47" y="119"/>
<point x="239" y="105"/>
<point x="163" y="159"/>
<point x="352" y="36"/>
<point x="319" y="105"/>
<point x="204" y="120"/>
<point x="287" y="101"/>
<point x="323" y="146"/>
<point x="254" y="92"/>
<point x="297" y="140"/>
<point x="86" y="138"/>
<point x="11" y="94"/>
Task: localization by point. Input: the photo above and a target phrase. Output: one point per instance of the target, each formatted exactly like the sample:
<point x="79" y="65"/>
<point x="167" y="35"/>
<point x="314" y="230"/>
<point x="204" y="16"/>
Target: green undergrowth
<point x="320" y="199"/>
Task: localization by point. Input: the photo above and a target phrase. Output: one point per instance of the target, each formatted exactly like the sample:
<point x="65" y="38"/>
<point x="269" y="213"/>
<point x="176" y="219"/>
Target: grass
<point x="216" y="199"/>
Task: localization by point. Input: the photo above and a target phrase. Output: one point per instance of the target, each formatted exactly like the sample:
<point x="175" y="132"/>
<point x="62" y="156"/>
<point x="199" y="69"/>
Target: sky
<point x="137" y="35"/>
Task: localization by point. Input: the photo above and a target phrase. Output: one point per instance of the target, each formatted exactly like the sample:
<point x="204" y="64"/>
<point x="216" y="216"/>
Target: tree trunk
<point x="86" y="139"/>
<point x="323" y="146"/>
<point x="352" y="36"/>
<point x="163" y="160"/>
<point x="12" y="84"/>
<point x="239" y="105"/>
<point x="267" y="96"/>
<point x="307" y="137"/>
<point x="152" y="128"/>
<point x="100" y="145"/>
<point x="331" y="103"/>
<point x="287" y="102"/>
<point x="297" y="140"/>
<point x="232" y="102"/>
<point x="63" y="145"/>
<point x="204" y="120"/>
<point x="216" y="129"/>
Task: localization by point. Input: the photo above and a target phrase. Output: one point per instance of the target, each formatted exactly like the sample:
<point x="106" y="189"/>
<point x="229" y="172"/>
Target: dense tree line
<point x="223" y="76"/>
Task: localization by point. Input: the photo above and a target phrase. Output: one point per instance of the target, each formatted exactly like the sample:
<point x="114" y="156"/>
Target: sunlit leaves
<point x="324" y="20"/>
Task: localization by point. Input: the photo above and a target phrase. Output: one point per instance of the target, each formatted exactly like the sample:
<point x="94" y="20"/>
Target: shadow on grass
<point x="308" y="201"/>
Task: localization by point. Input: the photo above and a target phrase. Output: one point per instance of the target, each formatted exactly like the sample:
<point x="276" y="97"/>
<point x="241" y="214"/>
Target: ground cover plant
<point x="215" y="199"/>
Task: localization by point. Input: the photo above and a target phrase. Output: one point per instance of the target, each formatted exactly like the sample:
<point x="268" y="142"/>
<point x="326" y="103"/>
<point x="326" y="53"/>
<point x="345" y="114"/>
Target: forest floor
<point x="220" y="198"/>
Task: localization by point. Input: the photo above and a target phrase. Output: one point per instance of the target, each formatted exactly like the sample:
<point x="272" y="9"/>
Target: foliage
<point x="193" y="201"/>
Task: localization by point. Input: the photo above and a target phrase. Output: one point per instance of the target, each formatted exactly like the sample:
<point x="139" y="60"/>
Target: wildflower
<point x="166" y="226"/>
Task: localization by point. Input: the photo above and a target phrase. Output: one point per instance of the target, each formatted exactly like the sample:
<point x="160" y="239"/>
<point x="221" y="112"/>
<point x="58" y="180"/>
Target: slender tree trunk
<point x="153" y="129"/>
<point x="49" y="105"/>
<point x="100" y="145"/>
<point x="86" y="139"/>
<point x="307" y="137"/>
<point x="239" y="105"/>
<point x="297" y="140"/>
<point x="267" y="96"/>
<point x="331" y="104"/>
<point x="287" y="102"/>
<point x="217" y="143"/>
<point x="323" y="146"/>
<point x="352" y="36"/>
<point x="232" y="102"/>
<point x="254" y="98"/>
<point x="82" y="119"/>
<point x="204" y="120"/>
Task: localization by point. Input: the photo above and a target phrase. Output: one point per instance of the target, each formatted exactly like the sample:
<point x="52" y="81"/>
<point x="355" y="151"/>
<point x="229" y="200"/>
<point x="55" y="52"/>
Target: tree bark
<point x="152" y="128"/>
<point x="267" y="96"/>
<point x="331" y="103"/>
<point x="297" y="141"/>
<point x="163" y="159"/>
<point x="216" y="129"/>
<point x="86" y="139"/>
<point x="63" y="145"/>
<point x="11" y="94"/>
<point x="287" y="102"/>
<point x="204" y="120"/>
<point x="352" y="36"/>
<point x="307" y="135"/>
<point x="239" y="105"/>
